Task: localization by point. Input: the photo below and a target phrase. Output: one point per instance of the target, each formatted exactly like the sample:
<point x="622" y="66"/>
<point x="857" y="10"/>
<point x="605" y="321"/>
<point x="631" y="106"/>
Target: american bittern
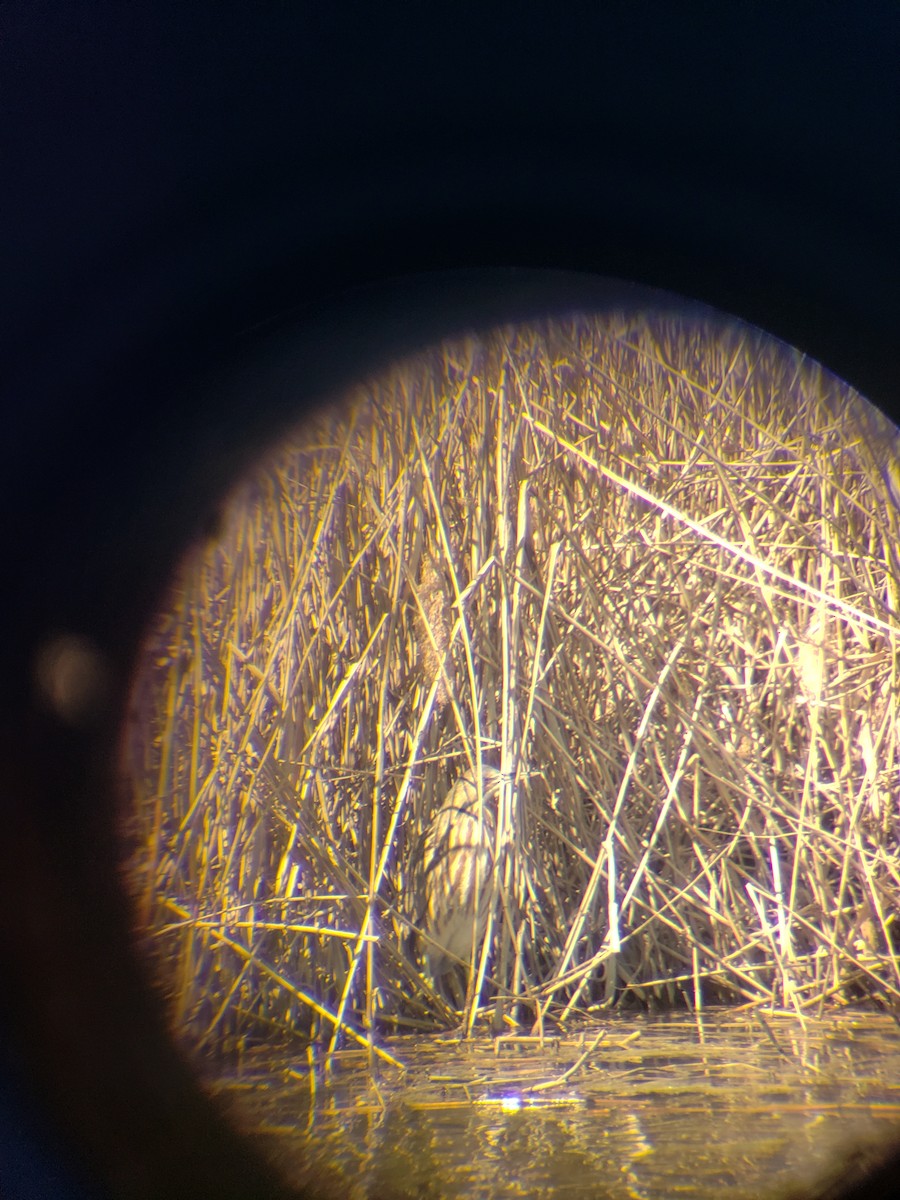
<point x="458" y="861"/>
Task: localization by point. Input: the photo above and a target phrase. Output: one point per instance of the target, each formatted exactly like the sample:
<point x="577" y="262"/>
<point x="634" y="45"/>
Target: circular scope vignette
<point x="535" y="690"/>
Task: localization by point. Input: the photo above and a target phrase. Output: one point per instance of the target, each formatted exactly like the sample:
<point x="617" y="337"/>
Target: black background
<point x="213" y="214"/>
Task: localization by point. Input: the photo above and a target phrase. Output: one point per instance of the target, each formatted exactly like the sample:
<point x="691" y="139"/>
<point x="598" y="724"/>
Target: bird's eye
<point x="542" y="681"/>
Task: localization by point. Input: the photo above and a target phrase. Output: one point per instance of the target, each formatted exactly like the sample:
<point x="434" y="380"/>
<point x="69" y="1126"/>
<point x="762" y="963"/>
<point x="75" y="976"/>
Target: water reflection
<point x="660" y="1106"/>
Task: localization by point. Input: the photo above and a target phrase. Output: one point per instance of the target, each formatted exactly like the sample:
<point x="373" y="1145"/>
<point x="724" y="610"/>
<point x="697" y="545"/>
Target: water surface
<point x="646" y="1108"/>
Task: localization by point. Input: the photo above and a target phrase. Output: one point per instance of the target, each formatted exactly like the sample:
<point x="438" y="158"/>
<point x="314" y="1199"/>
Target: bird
<point x="458" y="863"/>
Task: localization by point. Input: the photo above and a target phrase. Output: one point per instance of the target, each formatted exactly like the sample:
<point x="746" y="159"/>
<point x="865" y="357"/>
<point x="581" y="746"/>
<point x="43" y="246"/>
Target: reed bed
<point x="648" y="567"/>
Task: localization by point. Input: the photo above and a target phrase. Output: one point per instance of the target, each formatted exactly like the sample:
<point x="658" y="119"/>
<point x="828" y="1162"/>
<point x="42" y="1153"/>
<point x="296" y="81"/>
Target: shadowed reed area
<point x="647" y="568"/>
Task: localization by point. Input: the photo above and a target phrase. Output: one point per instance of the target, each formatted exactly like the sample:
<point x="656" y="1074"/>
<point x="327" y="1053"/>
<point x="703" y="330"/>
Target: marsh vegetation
<point x="644" y="565"/>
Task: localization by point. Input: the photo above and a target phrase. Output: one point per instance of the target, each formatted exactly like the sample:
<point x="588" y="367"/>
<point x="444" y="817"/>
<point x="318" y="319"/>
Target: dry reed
<point x="646" y="566"/>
